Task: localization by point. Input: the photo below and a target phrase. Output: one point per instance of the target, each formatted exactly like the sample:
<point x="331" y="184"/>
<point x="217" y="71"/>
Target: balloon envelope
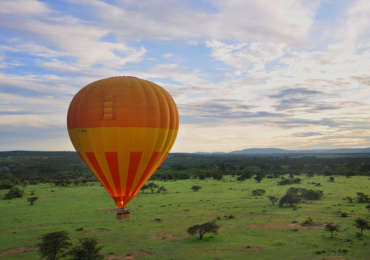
<point x="122" y="128"/>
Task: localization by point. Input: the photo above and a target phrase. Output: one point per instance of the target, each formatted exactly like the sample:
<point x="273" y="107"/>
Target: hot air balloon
<point x="123" y="129"/>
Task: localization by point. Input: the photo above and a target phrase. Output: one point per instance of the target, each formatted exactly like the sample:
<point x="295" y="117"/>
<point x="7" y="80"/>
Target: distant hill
<point x="285" y="151"/>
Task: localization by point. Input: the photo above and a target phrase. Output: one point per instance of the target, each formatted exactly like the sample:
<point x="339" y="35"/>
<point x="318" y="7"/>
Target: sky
<point x="291" y="74"/>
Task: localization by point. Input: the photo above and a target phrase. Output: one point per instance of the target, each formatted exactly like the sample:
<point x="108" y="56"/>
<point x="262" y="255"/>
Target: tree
<point x="152" y="186"/>
<point x="273" y="199"/>
<point x="362" y="224"/>
<point x="53" y="244"/>
<point x="331" y="179"/>
<point x="87" y="249"/>
<point x="362" y="197"/>
<point x="290" y="198"/>
<point x="162" y="188"/>
<point x="258" y="192"/>
<point x="332" y="227"/>
<point x="202" y="229"/>
<point x="32" y="200"/>
<point x="14" y="192"/>
<point x="196" y="187"/>
<point x="259" y="177"/>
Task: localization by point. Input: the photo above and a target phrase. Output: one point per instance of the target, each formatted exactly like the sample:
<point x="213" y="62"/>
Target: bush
<point x="14" y="192"/>
<point x="290" y="198"/>
<point x="32" y="200"/>
<point x="54" y="244"/>
<point x="87" y="249"/>
<point x="362" y="198"/>
<point x="6" y="184"/>
<point x="285" y="181"/>
<point x="202" y="229"/>
<point x="273" y="199"/>
<point x="331" y="179"/>
<point x="312" y="194"/>
<point x="196" y="187"/>
<point x="258" y="192"/>
<point x="332" y="227"/>
<point x="362" y="224"/>
<point x="308" y="222"/>
<point x="244" y="176"/>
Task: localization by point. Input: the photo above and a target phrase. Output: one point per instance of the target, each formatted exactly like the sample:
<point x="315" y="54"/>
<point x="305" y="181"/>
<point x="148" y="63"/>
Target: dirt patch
<point x="97" y="230"/>
<point x="14" y="251"/>
<point x="129" y="256"/>
<point x="164" y="236"/>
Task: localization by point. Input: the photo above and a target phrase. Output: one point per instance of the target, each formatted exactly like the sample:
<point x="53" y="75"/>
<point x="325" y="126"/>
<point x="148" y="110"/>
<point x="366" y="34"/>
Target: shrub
<point x="273" y="199"/>
<point x="332" y="227"/>
<point x="6" y="184"/>
<point x="362" y="198"/>
<point x="259" y="177"/>
<point x="196" y="187"/>
<point x="344" y="214"/>
<point x="87" y="249"/>
<point x="244" y="176"/>
<point x="289" y="198"/>
<point x="331" y="179"/>
<point x="308" y="222"/>
<point x="161" y="189"/>
<point x="258" y="192"/>
<point x="312" y="194"/>
<point x="202" y="229"/>
<point x="14" y="192"/>
<point x="285" y="181"/>
<point x="362" y="224"/>
<point x="32" y="200"/>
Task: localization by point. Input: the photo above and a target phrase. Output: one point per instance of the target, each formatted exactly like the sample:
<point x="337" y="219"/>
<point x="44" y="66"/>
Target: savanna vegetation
<point x="194" y="207"/>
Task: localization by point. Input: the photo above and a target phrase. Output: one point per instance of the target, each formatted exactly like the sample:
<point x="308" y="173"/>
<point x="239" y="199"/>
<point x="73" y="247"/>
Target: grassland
<point x="258" y="231"/>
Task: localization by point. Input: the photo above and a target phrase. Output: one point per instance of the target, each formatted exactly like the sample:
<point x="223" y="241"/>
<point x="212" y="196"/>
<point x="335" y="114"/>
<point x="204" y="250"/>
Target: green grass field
<point x="258" y="231"/>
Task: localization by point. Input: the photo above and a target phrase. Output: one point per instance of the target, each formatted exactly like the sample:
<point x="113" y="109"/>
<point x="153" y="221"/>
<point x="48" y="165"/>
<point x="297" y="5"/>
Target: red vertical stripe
<point x="95" y="164"/>
<point x="114" y="170"/>
<point x="135" y="158"/>
<point x="83" y="159"/>
<point x="153" y="159"/>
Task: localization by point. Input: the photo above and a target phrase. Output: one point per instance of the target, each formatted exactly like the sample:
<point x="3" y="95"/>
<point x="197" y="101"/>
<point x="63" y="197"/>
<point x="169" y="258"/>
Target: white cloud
<point x="24" y="7"/>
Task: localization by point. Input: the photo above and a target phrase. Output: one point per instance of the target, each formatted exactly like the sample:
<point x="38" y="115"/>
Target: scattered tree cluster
<point x="55" y="245"/>
<point x="153" y="187"/>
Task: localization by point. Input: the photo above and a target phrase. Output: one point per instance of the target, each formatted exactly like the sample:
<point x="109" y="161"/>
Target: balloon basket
<point x="123" y="214"/>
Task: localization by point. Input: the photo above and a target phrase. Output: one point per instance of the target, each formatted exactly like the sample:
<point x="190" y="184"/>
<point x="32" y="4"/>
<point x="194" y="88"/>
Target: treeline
<point x="66" y="168"/>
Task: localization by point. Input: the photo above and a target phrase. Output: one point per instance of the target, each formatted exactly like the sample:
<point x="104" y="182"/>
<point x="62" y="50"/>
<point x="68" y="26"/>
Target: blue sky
<point x="288" y="73"/>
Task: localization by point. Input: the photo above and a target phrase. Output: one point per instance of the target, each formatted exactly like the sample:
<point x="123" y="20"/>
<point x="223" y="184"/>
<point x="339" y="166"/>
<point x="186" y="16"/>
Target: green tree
<point x="14" y="192"/>
<point x="259" y="177"/>
<point x="362" y="224"/>
<point x="32" y="200"/>
<point x="152" y="186"/>
<point x="196" y="187"/>
<point x="54" y="244"/>
<point x="273" y="199"/>
<point x="87" y="249"/>
<point x="289" y="198"/>
<point x="332" y="227"/>
<point x="258" y="192"/>
<point x="202" y="229"/>
<point x="161" y="189"/>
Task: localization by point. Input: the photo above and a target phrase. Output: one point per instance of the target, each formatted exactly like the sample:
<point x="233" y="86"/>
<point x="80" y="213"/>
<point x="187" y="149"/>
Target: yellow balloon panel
<point x="123" y="158"/>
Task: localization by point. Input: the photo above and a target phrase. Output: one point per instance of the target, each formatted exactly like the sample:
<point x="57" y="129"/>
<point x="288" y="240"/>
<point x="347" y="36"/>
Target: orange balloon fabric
<point x="122" y="128"/>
